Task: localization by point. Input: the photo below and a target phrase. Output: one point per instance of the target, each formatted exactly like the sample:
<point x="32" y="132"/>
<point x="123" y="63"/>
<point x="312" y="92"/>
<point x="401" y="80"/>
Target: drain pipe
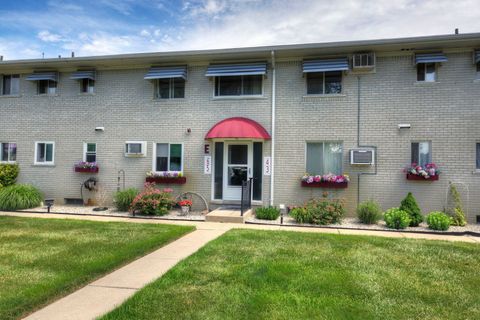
<point x="272" y="164"/>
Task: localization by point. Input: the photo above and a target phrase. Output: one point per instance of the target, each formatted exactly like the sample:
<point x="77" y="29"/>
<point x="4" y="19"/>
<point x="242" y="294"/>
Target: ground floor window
<point x="478" y="155"/>
<point x="8" y="152"/>
<point x="421" y="153"/>
<point x="90" y="152"/>
<point x="44" y="152"/>
<point x="324" y="157"/>
<point x="168" y="157"/>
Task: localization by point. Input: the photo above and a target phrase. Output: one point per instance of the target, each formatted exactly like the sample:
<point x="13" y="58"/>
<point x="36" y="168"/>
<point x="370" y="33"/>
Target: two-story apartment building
<point x="270" y="113"/>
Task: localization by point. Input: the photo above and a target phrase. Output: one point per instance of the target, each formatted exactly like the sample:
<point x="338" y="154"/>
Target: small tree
<point x="457" y="213"/>
<point x="409" y="205"/>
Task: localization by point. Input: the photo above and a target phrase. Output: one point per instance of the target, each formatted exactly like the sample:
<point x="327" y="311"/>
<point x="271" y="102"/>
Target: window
<point x="421" y="153"/>
<point x="135" y="149"/>
<point x="324" y="82"/>
<point x="324" y="158"/>
<point x="87" y="85"/>
<point x="8" y="152"/>
<point x="90" y="152"/>
<point x="426" y="72"/>
<point x="47" y="87"/>
<point x="478" y="70"/>
<point x="478" y="155"/>
<point x="172" y="88"/>
<point x="239" y="86"/>
<point x="11" y="85"/>
<point x="44" y="153"/>
<point x="168" y="157"/>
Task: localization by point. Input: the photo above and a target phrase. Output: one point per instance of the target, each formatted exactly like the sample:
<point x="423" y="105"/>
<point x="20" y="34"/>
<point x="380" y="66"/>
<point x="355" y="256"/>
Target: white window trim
<point x="323" y="89"/>
<point x="238" y="96"/>
<point x="154" y="156"/>
<point x="45" y="163"/>
<point x="8" y="156"/>
<point x="323" y="148"/>
<point x="138" y="155"/>
<point x="85" y="151"/>
<point x="425" y="72"/>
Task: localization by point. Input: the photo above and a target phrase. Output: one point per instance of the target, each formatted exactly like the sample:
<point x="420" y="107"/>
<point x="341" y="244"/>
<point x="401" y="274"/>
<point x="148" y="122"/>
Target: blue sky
<point x="98" y="27"/>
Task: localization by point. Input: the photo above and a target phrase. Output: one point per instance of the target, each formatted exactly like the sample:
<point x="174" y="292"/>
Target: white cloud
<point x="47" y="36"/>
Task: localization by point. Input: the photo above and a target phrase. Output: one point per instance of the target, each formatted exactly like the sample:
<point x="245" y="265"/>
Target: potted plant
<point x="166" y="177"/>
<point x="326" y="181"/>
<point x="428" y="172"/>
<point x="83" y="166"/>
<point x="185" y="205"/>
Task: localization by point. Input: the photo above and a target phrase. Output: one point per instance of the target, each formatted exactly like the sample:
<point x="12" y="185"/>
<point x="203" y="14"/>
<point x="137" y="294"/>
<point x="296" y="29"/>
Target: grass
<point x="287" y="275"/>
<point x="44" y="259"/>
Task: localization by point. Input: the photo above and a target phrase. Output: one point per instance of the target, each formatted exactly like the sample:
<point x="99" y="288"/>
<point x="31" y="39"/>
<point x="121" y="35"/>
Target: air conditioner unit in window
<point x="135" y="149"/>
<point x="362" y="156"/>
<point x="365" y="60"/>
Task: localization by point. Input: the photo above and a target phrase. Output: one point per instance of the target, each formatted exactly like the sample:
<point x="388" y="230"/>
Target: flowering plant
<point x="185" y="203"/>
<point x="164" y="174"/>
<point x="152" y="201"/>
<point x="326" y="178"/>
<point x="427" y="171"/>
<point x="85" y="165"/>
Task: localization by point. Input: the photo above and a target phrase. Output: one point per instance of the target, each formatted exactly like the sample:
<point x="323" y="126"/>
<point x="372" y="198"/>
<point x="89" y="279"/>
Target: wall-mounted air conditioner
<point x="135" y="149"/>
<point x="362" y="156"/>
<point x="363" y="61"/>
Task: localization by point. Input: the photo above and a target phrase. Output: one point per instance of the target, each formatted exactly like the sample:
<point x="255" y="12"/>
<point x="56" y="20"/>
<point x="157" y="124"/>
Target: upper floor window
<point x="170" y="88"/>
<point x="421" y="153"/>
<point x="8" y="152"/>
<point x="90" y="152"/>
<point x="245" y="85"/>
<point x="168" y="157"/>
<point x="324" y="82"/>
<point x="324" y="158"/>
<point x="44" y="153"/>
<point x="478" y="70"/>
<point x="87" y="85"/>
<point x="10" y="85"/>
<point x="46" y="87"/>
<point x="427" y="72"/>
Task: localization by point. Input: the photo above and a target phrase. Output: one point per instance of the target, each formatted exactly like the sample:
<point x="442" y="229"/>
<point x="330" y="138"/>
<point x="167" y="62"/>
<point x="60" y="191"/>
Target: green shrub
<point x="369" y="212"/>
<point x="396" y="218"/>
<point x="301" y="215"/>
<point x="456" y="213"/>
<point x="409" y="204"/>
<point x="19" y="196"/>
<point x="320" y="211"/>
<point x="438" y="221"/>
<point x="152" y="201"/>
<point x="123" y="199"/>
<point x="8" y="174"/>
<point x="267" y="213"/>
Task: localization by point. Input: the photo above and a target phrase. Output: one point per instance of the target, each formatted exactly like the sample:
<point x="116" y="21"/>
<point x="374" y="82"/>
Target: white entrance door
<point x="238" y="158"/>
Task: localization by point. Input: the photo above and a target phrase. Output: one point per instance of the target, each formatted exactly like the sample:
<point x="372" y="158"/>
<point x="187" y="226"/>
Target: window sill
<point x="47" y="95"/>
<point x="8" y="162"/>
<point x="240" y="98"/>
<point x="476" y="172"/>
<point x="43" y="165"/>
<point x="332" y="95"/>
<point x="169" y="100"/>
<point x="425" y="83"/>
<point x="6" y="96"/>
<point x="86" y="94"/>
<point x="476" y="80"/>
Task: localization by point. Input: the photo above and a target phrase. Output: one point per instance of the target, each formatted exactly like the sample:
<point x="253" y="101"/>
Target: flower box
<point x="87" y="170"/>
<point x="326" y="184"/>
<point x="166" y="180"/>
<point x="421" y="178"/>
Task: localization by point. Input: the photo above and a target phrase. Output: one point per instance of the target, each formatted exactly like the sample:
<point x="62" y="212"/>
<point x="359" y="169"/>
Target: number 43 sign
<point x="267" y="166"/>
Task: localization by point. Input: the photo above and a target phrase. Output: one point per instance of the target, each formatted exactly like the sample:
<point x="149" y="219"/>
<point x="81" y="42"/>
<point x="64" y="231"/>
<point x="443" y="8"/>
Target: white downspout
<point x="272" y="177"/>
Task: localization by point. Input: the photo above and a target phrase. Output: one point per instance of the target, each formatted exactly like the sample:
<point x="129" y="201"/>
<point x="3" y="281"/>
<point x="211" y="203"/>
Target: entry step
<point x="227" y="215"/>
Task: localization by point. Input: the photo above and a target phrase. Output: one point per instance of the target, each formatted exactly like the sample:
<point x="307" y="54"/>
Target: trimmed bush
<point x="438" y="221"/>
<point x="8" y="174"/>
<point x="319" y="211"/>
<point x="123" y="199"/>
<point x="456" y="213"/>
<point x="396" y="218"/>
<point x="369" y="212"/>
<point x="19" y="196"/>
<point x="152" y="201"/>
<point x="409" y="204"/>
<point x="267" y="213"/>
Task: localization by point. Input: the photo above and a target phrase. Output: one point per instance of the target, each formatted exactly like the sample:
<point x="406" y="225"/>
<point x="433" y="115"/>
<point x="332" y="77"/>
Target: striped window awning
<point x="324" y="65"/>
<point x="239" y="69"/>
<point x="430" y="57"/>
<point x="80" y="75"/>
<point x="37" y="76"/>
<point x="477" y="56"/>
<point x="166" y="73"/>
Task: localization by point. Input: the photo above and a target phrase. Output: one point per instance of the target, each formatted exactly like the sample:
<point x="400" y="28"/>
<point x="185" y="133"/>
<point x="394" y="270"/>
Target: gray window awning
<point x="477" y="56"/>
<point x="324" y="65"/>
<point x="239" y="69"/>
<point x="80" y="75"/>
<point x="166" y="73"/>
<point x="430" y="57"/>
<point x="37" y="76"/>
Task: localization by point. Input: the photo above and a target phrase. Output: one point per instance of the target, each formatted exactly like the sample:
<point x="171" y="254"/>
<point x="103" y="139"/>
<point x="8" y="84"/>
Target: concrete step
<point x="227" y="215"/>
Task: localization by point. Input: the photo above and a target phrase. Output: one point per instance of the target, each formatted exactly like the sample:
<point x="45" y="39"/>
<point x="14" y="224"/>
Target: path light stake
<point x="49" y="204"/>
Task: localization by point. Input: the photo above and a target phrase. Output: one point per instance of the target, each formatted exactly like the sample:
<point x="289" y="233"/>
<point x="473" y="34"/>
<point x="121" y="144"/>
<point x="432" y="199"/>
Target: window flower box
<point x="326" y="181"/>
<point x="421" y="178"/>
<point x="429" y="172"/>
<point x="166" y="177"/>
<point x="87" y="167"/>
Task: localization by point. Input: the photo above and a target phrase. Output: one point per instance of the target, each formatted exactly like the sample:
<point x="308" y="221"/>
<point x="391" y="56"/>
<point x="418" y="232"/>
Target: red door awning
<point x="238" y="128"/>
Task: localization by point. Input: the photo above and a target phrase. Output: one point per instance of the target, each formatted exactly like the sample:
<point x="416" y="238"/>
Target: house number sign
<point x="207" y="165"/>
<point x="267" y="166"/>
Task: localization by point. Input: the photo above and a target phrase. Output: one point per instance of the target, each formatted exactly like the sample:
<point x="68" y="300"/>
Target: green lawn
<point x="44" y="259"/>
<point x="286" y="275"/>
